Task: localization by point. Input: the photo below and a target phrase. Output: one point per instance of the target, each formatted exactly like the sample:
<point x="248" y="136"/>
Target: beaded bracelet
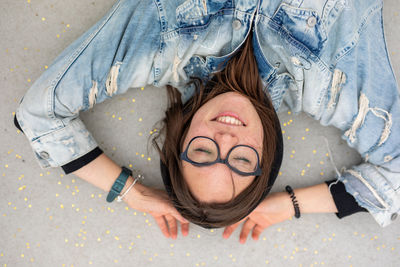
<point x="295" y="203"/>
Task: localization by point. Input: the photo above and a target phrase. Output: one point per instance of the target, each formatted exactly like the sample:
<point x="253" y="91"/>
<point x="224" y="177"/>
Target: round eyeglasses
<point x="204" y="151"/>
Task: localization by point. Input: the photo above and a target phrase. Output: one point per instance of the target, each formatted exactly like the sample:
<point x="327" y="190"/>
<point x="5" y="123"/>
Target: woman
<point x="315" y="56"/>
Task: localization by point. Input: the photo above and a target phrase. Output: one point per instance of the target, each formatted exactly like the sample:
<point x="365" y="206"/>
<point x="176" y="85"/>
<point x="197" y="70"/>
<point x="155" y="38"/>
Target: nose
<point x="225" y="142"/>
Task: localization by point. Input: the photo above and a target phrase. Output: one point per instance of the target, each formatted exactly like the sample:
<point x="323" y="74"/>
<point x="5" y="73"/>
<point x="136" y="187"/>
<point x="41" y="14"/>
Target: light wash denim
<point x="326" y="58"/>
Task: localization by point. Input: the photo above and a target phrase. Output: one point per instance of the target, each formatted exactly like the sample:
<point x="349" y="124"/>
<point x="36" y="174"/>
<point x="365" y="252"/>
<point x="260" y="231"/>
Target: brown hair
<point x="240" y="75"/>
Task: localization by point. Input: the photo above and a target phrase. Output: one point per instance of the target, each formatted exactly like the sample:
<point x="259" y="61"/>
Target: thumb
<point x="229" y="229"/>
<point x="178" y="216"/>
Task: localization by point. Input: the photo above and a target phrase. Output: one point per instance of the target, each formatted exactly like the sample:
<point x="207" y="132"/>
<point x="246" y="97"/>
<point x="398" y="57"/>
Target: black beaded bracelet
<point x="295" y="203"/>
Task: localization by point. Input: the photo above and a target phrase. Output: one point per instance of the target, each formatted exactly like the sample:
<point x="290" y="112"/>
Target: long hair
<point x="240" y="75"/>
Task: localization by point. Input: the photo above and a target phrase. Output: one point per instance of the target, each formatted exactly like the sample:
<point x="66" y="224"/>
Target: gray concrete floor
<point x="37" y="231"/>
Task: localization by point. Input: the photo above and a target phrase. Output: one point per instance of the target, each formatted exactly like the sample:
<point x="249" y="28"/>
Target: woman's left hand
<point x="275" y="208"/>
<point x="156" y="202"/>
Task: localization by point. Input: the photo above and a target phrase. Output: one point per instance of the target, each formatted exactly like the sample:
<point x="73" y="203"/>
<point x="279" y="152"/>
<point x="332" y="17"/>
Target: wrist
<point x="288" y="204"/>
<point x="315" y="199"/>
<point x="132" y="197"/>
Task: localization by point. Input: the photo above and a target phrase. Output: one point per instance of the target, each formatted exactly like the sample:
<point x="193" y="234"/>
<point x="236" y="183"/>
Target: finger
<point x="185" y="229"/>
<point x="162" y="224"/>
<point x="247" y="226"/>
<point x="173" y="227"/>
<point x="257" y="231"/>
<point x="178" y="216"/>
<point x="229" y="229"/>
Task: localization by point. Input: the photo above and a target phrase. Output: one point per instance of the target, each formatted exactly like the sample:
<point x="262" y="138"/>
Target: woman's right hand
<point x="157" y="203"/>
<point x="275" y="208"/>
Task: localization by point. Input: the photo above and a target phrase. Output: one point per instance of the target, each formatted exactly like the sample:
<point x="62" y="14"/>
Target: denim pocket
<point x="192" y="13"/>
<point x="199" y="12"/>
<point x="302" y="25"/>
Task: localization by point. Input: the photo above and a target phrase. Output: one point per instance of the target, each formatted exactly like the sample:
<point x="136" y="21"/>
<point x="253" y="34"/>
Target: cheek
<point x="197" y="127"/>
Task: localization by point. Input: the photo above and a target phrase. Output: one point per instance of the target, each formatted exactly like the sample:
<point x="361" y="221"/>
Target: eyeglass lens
<point x="204" y="150"/>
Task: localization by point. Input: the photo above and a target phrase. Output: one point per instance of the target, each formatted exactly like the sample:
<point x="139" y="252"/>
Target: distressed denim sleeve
<point x="364" y="103"/>
<point x="114" y="54"/>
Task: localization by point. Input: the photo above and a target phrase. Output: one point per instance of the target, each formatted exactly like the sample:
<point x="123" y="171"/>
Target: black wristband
<point x="295" y="203"/>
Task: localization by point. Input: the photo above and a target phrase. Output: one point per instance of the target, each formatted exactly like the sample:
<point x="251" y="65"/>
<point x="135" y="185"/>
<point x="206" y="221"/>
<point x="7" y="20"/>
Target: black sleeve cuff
<point x="81" y="161"/>
<point x="345" y="202"/>
<point x="17" y="124"/>
<point x="77" y="163"/>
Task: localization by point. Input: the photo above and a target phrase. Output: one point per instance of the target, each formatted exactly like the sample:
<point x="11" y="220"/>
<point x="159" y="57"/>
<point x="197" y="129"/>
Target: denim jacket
<point x="326" y="58"/>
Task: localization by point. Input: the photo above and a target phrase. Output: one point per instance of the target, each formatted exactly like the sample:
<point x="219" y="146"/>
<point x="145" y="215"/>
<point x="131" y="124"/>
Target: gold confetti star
<point x="43" y="18"/>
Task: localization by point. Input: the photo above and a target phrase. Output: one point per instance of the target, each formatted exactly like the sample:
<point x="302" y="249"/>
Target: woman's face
<point x="214" y="183"/>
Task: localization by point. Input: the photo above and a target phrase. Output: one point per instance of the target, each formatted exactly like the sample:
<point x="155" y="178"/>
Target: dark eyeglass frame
<point x="185" y="157"/>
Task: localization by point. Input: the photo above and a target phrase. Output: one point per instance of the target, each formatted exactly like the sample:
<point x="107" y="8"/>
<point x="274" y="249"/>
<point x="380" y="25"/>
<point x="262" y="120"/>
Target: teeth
<point x="229" y="120"/>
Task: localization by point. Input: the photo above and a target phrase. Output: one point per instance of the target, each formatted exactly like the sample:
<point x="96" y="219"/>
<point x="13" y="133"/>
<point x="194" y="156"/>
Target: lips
<point x="230" y="119"/>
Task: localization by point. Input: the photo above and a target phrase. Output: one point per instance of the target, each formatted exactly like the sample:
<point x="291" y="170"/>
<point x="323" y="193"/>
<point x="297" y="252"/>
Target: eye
<point x="243" y="159"/>
<point x="203" y="150"/>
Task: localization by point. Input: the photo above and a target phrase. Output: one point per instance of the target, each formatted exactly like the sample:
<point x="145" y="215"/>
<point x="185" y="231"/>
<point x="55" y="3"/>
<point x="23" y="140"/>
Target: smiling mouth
<point x="229" y="120"/>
